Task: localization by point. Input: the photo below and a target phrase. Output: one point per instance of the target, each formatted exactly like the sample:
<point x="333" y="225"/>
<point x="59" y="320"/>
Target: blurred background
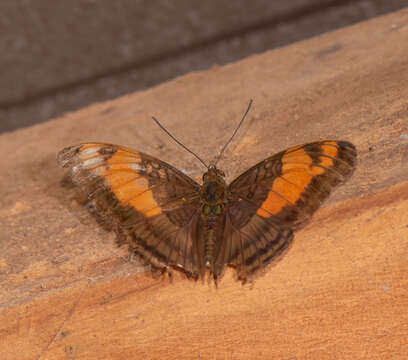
<point x="58" y="56"/>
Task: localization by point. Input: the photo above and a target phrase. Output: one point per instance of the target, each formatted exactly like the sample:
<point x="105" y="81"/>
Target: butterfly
<point x="173" y="222"/>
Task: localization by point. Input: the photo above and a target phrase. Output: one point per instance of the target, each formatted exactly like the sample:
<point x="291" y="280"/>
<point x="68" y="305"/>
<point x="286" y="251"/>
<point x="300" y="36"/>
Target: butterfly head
<point x="212" y="174"/>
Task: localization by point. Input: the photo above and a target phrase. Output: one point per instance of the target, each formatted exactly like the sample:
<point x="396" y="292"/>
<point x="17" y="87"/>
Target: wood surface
<point x="341" y="292"/>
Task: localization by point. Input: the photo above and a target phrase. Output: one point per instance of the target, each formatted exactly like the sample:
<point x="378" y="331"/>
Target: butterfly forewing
<point x="152" y="205"/>
<point x="292" y="184"/>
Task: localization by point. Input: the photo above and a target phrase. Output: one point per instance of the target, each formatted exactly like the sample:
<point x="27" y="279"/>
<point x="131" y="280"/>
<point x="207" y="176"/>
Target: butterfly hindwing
<point x="250" y="242"/>
<point x="152" y="205"/>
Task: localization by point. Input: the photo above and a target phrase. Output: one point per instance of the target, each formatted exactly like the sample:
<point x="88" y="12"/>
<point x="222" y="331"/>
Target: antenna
<point x="235" y="131"/>
<point x="178" y="142"/>
<point x="193" y="153"/>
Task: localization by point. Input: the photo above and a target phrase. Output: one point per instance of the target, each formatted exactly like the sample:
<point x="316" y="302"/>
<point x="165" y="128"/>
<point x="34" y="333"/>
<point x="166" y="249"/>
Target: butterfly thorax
<point x="213" y="194"/>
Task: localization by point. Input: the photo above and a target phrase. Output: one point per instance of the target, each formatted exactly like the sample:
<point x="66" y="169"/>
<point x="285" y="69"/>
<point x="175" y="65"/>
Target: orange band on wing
<point x="129" y="187"/>
<point x="297" y="173"/>
<point x="330" y="148"/>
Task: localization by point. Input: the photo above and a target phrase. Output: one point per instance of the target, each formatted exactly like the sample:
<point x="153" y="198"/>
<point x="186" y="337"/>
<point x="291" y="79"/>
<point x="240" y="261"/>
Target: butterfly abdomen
<point x="209" y="247"/>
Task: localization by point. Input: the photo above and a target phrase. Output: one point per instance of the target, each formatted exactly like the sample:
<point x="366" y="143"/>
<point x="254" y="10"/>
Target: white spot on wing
<point x="90" y="151"/>
<point x="138" y="167"/>
<point x="101" y="170"/>
<point x="91" y="162"/>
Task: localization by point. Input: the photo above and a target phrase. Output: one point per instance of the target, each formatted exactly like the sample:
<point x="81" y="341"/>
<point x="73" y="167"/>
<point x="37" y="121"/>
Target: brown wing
<point x="277" y="195"/>
<point x="153" y="207"/>
<point x="250" y="242"/>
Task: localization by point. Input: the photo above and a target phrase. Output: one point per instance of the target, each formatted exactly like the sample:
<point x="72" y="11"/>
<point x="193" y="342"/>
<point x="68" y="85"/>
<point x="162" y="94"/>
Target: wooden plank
<point x="67" y="292"/>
